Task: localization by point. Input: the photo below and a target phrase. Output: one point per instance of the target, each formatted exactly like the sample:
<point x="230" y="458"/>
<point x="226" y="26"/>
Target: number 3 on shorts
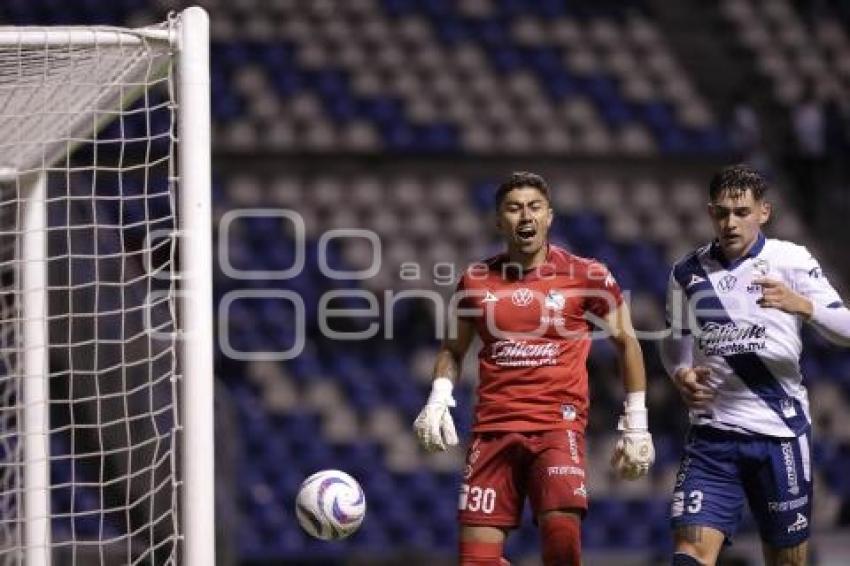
<point x="476" y="499"/>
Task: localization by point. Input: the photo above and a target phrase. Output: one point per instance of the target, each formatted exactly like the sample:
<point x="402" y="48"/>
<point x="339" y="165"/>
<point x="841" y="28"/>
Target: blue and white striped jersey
<point x="753" y="352"/>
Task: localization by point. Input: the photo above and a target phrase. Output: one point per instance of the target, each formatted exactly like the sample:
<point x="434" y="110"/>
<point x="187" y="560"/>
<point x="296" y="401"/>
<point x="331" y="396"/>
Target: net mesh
<point x="96" y="123"/>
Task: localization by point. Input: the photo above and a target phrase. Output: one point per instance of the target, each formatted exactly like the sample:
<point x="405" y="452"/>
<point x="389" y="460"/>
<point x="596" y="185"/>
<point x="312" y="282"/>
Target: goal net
<point x="104" y="178"/>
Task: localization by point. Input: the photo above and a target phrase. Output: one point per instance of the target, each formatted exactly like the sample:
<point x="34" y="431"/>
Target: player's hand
<point x="434" y="426"/>
<point x="777" y="295"/>
<point x="692" y="386"/>
<point x="634" y="452"/>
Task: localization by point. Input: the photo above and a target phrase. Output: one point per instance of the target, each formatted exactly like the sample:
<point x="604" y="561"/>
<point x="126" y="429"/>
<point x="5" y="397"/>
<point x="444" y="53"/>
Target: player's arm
<point x="634" y="453"/>
<point x="812" y="298"/>
<point x="434" y="426"/>
<point x="677" y="352"/>
<point x="449" y="362"/>
<point x="691" y="381"/>
<point x="833" y="322"/>
<point x="622" y="334"/>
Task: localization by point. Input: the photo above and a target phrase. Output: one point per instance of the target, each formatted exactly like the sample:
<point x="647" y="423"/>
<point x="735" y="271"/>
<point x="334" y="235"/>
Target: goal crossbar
<point x="103" y="36"/>
<point x="90" y="102"/>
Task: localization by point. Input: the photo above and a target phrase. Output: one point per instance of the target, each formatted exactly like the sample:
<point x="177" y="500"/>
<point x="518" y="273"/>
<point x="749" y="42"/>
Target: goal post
<point x="35" y="386"/>
<point x="195" y="165"/>
<point x="106" y="351"/>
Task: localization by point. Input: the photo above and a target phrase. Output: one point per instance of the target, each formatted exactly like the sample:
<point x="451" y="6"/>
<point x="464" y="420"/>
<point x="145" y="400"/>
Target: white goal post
<point x="106" y="349"/>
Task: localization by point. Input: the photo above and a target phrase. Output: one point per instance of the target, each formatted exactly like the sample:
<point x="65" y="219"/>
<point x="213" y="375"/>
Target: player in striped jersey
<point x="735" y="308"/>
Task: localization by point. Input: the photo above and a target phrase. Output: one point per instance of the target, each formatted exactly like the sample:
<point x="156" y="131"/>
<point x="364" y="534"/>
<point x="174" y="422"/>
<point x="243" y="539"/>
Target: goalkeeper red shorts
<point x="503" y="468"/>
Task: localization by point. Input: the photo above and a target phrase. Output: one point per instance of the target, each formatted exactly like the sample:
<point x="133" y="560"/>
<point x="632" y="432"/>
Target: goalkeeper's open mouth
<point x="526" y="233"/>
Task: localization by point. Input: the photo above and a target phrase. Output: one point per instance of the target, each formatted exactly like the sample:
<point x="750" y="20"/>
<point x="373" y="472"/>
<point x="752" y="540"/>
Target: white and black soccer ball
<point x="330" y="505"/>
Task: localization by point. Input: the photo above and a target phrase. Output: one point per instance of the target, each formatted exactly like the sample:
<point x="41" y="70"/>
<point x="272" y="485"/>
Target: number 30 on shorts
<point x="474" y="498"/>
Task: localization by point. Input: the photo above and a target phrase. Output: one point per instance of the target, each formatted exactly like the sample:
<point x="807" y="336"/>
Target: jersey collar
<point x="716" y="253"/>
<point x="546" y="269"/>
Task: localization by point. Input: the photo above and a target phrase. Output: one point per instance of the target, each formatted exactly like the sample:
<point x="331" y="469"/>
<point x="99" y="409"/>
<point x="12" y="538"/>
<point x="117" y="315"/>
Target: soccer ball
<point x="330" y="505"/>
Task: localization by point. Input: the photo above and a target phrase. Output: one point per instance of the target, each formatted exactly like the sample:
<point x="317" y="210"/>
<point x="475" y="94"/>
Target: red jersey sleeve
<point x="464" y="300"/>
<point x="604" y="292"/>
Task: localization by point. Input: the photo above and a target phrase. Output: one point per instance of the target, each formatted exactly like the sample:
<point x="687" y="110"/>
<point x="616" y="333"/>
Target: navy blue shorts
<point x="720" y="470"/>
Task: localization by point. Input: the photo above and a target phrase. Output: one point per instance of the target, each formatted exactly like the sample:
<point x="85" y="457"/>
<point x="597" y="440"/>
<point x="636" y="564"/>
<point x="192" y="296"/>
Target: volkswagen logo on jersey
<point x="522" y="297"/>
<point x="727" y="283"/>
<point x="554" y="300"/>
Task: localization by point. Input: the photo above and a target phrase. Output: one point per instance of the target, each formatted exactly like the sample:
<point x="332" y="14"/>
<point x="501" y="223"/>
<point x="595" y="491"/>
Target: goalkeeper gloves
<point x="434" y="426"/>
<point x="634" y="453"/>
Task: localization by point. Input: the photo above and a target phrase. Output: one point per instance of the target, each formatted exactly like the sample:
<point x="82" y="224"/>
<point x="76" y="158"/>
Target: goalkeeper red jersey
<point x="535" y="326"/>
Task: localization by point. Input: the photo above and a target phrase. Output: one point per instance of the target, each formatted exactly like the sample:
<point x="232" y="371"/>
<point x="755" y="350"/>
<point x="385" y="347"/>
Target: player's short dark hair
<point x="522" y="179"/>
<point x="737" y="179"/>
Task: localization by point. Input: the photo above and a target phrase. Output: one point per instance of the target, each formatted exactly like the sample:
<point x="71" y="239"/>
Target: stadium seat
<point x="468" y="79"/>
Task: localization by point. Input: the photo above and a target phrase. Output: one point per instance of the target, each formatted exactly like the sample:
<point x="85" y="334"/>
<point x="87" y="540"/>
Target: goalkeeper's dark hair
<point x="519" y="180"/>
<point x="736" y="180"/>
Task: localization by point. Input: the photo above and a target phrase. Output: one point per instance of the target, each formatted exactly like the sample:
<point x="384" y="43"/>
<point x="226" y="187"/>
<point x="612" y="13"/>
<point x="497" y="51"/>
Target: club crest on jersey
<point x="554" y="300"/>
<point x="787" y="408"/>
<point x="727" y="283"/>
<point x="522" y="297"/>
<point x="761" y="267"/>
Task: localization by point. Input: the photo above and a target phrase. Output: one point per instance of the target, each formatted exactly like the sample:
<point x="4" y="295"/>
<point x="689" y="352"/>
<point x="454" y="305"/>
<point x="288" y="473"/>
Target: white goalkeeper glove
<point x="434" y="426"/>
<point x="634" y="453"/>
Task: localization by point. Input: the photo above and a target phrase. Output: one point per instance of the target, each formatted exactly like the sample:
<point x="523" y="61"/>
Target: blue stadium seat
<point x="451" y="30"/>
<point x="506" y="59"/>
<point x="418" y="509"/>
<point x="287" y="81"/>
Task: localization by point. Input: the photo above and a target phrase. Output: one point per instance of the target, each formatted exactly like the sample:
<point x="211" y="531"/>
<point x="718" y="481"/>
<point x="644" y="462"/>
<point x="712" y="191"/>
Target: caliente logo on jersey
<point x="716" y="339"/>
<point x="522" y="353"/>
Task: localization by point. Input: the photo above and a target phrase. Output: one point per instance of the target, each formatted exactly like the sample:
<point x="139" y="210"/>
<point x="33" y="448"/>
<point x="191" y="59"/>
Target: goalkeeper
<point x="532" y="306"/>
